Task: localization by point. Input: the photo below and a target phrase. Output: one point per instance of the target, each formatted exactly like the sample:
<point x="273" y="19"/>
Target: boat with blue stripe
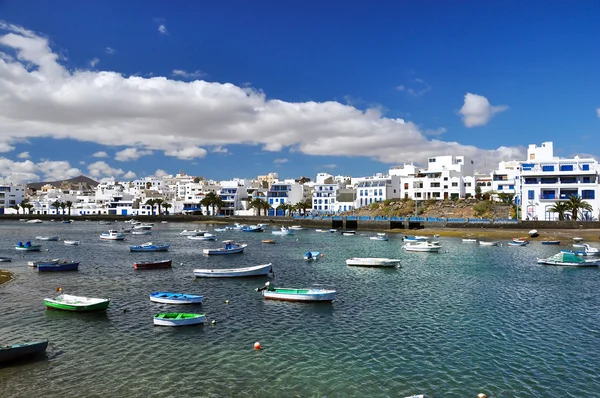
<point x="175" y="298"/>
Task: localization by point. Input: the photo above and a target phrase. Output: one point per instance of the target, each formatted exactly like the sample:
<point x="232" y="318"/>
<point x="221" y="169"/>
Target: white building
<point x="287" y="191"/>
<point x="11" y="195"/>
<point x="376" y="189"/>
<point x="232" y="193"/>
<point x="324" y="196"/>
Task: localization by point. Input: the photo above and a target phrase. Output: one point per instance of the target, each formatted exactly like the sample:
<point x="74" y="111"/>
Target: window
<point x="588" y="194"/>
<point x="445" y="178"/>
<point x="500" y="187"/>
<point x="271" y="201"/>
<point x="445" y="186"/>
<point x="431" y="160"/>
<point x="548" y="180"/>
<point x="586" y="180"/>
<point x="566" y="167"/>
<point x="531" y="194"/>
<point x="529" y="180"/>
<point x="405" y="185"/>
<point x="435" y="194"/>
<point x="511" y="187"/>
<point x="548" y="168"/>
<point x="455" y="184"/>
<point x="585" y="167"/>
<point x="528" y="166"/>
<point x="435" y="185"/>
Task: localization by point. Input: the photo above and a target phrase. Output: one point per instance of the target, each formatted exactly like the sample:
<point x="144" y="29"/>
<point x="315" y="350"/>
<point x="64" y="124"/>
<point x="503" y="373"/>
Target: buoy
<point x="214" y="322"/>
<point x="481" y="395"/>
<point x="322" y="254"/>
<point x="257" y="345"/>
<point x="226" y="301"/>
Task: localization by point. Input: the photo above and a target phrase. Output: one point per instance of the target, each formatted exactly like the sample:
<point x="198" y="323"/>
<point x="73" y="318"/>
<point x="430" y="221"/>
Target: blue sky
<point x="240" y="88"/>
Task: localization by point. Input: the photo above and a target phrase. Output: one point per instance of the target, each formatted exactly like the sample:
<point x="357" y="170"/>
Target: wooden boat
<point x="150" y="247"/>
<point x="521" y="240"/>
<point x="5" y="259"/>
<point x="283" y="231"/>
<point x="58" y="266"/>
<point x="550" y="242"/>
<point x="373" y="262"/>
<point x="257" y="270"/>
<point x="268" y="241"/>
<point x="178" y="319"/>
<point x="488" y="243"/>
<point x="112" y="235"/>
<point x="206" y="236"/>
<point x="72" y="242"/>
<point x="312" y="256"/>
<point x="28" y="247"/>
<point x="16" y="352"/>
<point x="229" y="247"/>
<point x="432" y="247"/>
<point x="67" y="302"/>
<point x="153" y="264"/>
<point x="49" y="238"/>
<point x="175" y="298"/>
<point x="568" y="259"/>
<point x="193" y="232"/>
<point x="292" y="294"/>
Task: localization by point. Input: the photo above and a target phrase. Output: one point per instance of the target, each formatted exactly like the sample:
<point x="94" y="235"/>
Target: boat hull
<point x="195" y="320"/>
<point x="222" y="251"/>
<point x="71" y="242"/>
<point x="21" y="351"/>
<point x="57" y="267"/>
<point x="301" y="295"/>
<point x="153" y="265"/>
<point x="96" y="307"/>
<point x="175" y="298"/>
<point x="373" y="262"/>
<point x="259" y="270"/>
<point x="162" y="248"/>
<point x="550" y="242"/>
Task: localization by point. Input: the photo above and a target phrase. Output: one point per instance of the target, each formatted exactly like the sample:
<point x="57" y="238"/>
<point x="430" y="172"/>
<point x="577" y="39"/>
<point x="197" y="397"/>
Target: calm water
<point x="452" y="324"/>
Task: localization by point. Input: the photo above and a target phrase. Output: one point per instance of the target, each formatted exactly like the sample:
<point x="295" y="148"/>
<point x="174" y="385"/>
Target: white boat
<point x="577" y="239"/>
<point x="175" y="298"/>
<point x="164" y="222"/>
<point x="38" y="262"/>
<point x="193" y="232"/>
<point x="348" y="234"/>
<point x="220" y="229"/>
<point x="591" y="251"/>
<point x="373" y="262"/>
<point x="143" y="227"/>
<point x="312" y="256"/>
<point x="206" y="236"/>
<point x="381" y="237"/>
<point x="237" y="227"/>
<point x="293" y="294"/>
<point x="321" y="230"/>
<point x="469" y="240"/>
<point x="513" y="243"/>
<point x="112" y="235"/>
<point x="416" y="238"/>
<point x="49" y="238"/>
<point x="71" y="242"/>
<point x="257" y="270"/>
<point x="297" y="228"/>
<point x="178" y="319"/>
<point x="141" y="232"/>
<point x="568" y="259"/>
<point x="229" y="247"/>
<point x="534" y="233"/>
<point x="418" y="246"/>
<point x="488" y="243"/>
<point x="283" y="231"/>
<point x="34" y="221"/>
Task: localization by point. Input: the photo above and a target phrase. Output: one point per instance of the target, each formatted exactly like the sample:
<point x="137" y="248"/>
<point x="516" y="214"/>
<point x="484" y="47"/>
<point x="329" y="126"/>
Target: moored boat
<point x="229" y="247"/>
<point x="488" y="243"/>
<point x="432" y="247"/>
<point x="469" y="240"/>
<point x="112" y="235"/>
<point x="312" y="256"/>
<point x="150" y="247"/>
<point x="49" y="238"/>
<point x="175" y="298"/>
<point x="178" y="319"/>
<point x="414" y="238"/>
<point x="58" y="266"/>
<point x="206" y="236"/>
<point x="513" y="243"/>
<point x="141" y="232"/>
<point x="577" y="239"/>
<point x="297" y="228"/>
<point x="153" y="264"/>
<point x="27" y="246"/>
<point x="534" y="233"/>
<point x="21" y="351"/>
<point x="380" y="237"/>
<point x="271" y="241"/>
<point x="67" y="302"/>
<point x="568" y="259"/>
<point x="5" y="259"/>
<point x="373" y="262"/>
<point x="257" y="270"/>
<point x="71" y="242"/>
<point x="283" y="231"/>
<point x="253" y="228"/>
<point x="35" y="221"/>
<point x="192" y="232"/>
<point x="550" y="242"/>
<point x="293" y="294"/>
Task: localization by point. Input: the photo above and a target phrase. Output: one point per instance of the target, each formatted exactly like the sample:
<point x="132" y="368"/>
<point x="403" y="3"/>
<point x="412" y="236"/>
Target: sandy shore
<point x="590" y="235"/>
<point x="5" y="276"/>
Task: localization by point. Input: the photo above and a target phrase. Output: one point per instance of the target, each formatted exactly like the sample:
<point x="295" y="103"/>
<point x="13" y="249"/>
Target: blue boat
<point x="550" y="242"/>
<point x="253" y="228"/>
<point x="175" y="298"/>
<point x="150" y="247"/>
<point x="60" y="266"/>
<point x="16" y="352"/>
<point x="308" y="256"/>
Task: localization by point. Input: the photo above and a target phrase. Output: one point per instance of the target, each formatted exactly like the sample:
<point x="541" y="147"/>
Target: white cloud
<point x="94" y="62"/>
<point x="100" y="154"/>
<point x="438" y="131"/>
<point x="131" y="154"/>
<point x="477" y="110"/>
<point x="162" y="29"/>
<point x="23" y="155"/>
<point x="28" y="171"/>
<point x="598" y="112"/>
<point x="160" y="173"/>
<point x="42" y="98"/>
<point x="400" y="87"/>
<point x="329" y="166"/>
<point x="219" y="149"/>
<point x="82" y="162"/>
<point x="130" y="175"/>
<point x="6" y="147"/>
<point x="280" y="161"/>
<point x="188" y="75"/>
<point x="102" y="169"/>
<point x="109" y="50"/>
<point x="58" y="170"/>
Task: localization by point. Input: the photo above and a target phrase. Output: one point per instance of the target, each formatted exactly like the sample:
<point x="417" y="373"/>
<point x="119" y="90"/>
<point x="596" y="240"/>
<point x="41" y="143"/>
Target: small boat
<point x="112" y="235"/>
<point x="271" y="241"/>
<point x="312" y="256"/>
<point x="415" y="238"/>
<point x="568" y="259"/>
<point x="292" y="294"/>
<point x="321" y="230"/>
<point x="164" y="222"/>
<point x="5" y="259"/>
<point x="220" y="229"/>
<point x="469" y="240"/>
<point x="348" y="232"/>
<point x="257" y="270"/>
<point x="381" y="237"/>
<point x="193" y="232"/>
<point x="237" y="227"/>
<point x="229" y="247"/>
<point x="590" y="251"/>
<point x="283" y="231"/>
<point x="297" y="228"/>
<point x="34" y="221"/>
<point x="521" y="240"/>
<point x="143" y="227"/>
<point x="16" y="352"/>
<point x="46" y="261"/>
<point x="141" y="232"/>
<point x="153" y="264"/>
<point x="333" y="230"/>
<point x="432" y="247"/>
<point x="50" y="238"/>
<point x="206" y="236"/>
<point x="28" y="247"/>
<point x="577" y="240"/>
<point x="150" y="247"/>
<point x="67" y="302"/>
<point x="550" y="242"/>
<point x="67" y="221"/>
<point x="253" y="228"/>
<point x="513" y="243"/>
<point x="71" y="242"/>
<point x="175" y="298"/>
<point x="488" y="243"/>
<point x="105" y="222"/>
<point x="373" y="262"/>
<point x="178" y="319"/>
<point x="59" y="266"/>
<point x="534" y="233"/>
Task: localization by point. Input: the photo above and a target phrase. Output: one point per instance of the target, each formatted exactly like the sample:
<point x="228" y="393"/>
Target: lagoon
<point x="467" y="320"/>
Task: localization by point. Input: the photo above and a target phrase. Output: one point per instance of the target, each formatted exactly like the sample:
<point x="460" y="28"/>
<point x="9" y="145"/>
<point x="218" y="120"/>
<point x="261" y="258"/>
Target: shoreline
<point x="589" y="235"/>
<point x="6" y="276"/>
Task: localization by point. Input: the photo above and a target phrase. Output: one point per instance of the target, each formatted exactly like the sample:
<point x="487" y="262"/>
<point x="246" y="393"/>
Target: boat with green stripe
<point x="67" y="302"/>
<point x="178" y="319"/>
<point x="292" y="294"/>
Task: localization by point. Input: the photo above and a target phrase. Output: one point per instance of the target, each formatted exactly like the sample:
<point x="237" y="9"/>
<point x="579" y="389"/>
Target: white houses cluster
<point x="535" y="183"/>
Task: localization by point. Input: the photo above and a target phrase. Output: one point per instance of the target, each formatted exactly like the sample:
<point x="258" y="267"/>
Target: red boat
<point x="153" y="265"/>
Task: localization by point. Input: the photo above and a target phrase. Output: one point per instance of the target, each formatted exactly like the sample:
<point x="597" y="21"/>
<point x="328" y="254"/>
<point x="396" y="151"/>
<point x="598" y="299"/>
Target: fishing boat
<point x="521" y="240"/>
<point x="50" y="238"/>
<point x="67" y="302"/>
<point x="220" y="229"/>
<point x="348" y="232"/>
<point x="5" y="259"/>
<point x="312" y="256"/>
<point x="253" y="228"/>
<point x="432" y="247"/>
<point x="206" y="236"/>
<point x="153" y="264"/>
<point x="71" y="242"/>
<point x="257" y="270"/>
<point x="175" y="298"/>
<point x="193" y="232"/>
<point x="588" y="250"/>
<point x="550" y="242"/>
<point x="567" y="259"/>
<point x="381" y="237"/>
<point x="58" y="266"/>
<point x="271" y="241"/>
<point x="488" y="243"/>
<point x="469" y="240"/>
<point x="16" y="352"/>
<point x="283" y="231"/>
<point x="143" y="227"/>
<point x="229" y="247"/>
<point x="292" y="294"/>
<point x="178" y="319"/>
<point x="150" y="247"/>
<point x="297" y="228"/>
<point x="112" y="234"/>
<point x="373" y="262"/>
<point x="27" y="246"/>
<point x="534" y="233"/>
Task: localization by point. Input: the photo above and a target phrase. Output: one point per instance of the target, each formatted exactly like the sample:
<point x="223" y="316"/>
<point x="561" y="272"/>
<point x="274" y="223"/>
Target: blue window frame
<point x="511" y="187"/>
<point x="585" y="167"/>
<point x="586" y="180"/>
<point x="531" y="194"/>
<point x="271" y="201"/>
<point x="566" y="167"/>
<point x="588" y="194"/>
<point x="528" y="166"/>
<point x="547" y="168"/>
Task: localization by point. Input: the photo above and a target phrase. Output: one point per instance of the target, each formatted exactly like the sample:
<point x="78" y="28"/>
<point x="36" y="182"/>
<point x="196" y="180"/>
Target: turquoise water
<point x="452" y="324"/>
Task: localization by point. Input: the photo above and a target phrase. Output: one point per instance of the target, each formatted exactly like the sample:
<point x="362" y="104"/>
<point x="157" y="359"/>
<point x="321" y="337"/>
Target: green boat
<point x="178" y="319"/>
<point x="67" y="302"/>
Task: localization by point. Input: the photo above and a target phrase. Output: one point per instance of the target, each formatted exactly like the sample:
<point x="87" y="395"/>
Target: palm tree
<point x="283" y="207"/>
<point x="56" y="204"/>
<point x="206" y="203"/>
<point x="167" y="206"/>
<point x="151" y="203"/>
<point x="158" y="202"/>
<point x="69" y="204"/>
<point x="266" y="207"/>
<point x="576" y="203"/>
<point x="16" y="207"/>
<point x="63" y="206"/>
<point x="218" y="203"/>
<point x="257" y="204"/>
<point x="27" y="206"/>
<point x="211" y="198"/>
<point x="561" y="208"/>
<point x="305" y="204"/>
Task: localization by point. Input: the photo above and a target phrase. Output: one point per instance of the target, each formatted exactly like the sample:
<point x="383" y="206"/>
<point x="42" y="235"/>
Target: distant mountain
<point x="79" y="180"/>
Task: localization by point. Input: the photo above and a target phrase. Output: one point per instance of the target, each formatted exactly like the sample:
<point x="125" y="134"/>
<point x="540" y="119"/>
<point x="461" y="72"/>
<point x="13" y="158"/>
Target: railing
<point x="435" y="219"/>
<point x="381" y="218"/>
<point x="337" y="218"/>
<point x="397" y="219"/>
<point x="505" y="221"/>
<point x="365" y="218"/>
<point x="479" y="220"/>
<point x="416" y="219"/>
<point x="352" y="218"/>
<point x="456" y="220"/>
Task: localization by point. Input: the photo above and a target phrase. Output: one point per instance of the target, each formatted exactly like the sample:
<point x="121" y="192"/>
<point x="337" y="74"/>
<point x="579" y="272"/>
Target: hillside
<point x="467" y="208"/>
<point x="79" y="180"/>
